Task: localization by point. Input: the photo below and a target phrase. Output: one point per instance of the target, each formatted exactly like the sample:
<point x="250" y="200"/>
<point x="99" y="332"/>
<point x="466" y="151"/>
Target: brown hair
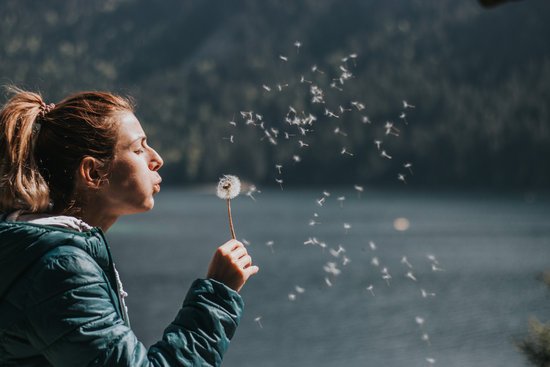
<point x="41" y="149"/>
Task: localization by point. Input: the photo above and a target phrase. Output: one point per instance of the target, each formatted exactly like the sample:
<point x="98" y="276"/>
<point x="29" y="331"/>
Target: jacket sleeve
<point x="74" y="322"/>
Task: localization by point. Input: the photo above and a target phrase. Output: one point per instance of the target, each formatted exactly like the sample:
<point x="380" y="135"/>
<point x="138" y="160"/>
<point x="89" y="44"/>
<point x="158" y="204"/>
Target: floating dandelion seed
<point x="251" y="190"/>
<point x="321" y="201"/>
<point x="337" y="131"/>
<point x="403" y="116"/>
<point x="386" y="275"/>
<point x="245" y="242"/>
<point x="372" y="245"/>
<point x="328" y="282"/>
<point x="299" y="289"/>
<point x="374" y="261"/>
<point x="229" y="187"/>
<point x="298" y="44"/>
<point x="231" y="139"/>
<point x="358" y="105"/>
<point x="436" y="268"/>
<point x="312" y="222"/>
<point x="431" y="361"/>
<point x="405" y="261"/>
<point x="258" y="321"/>
<point x="370" y="288"/>
<point x="347" y="226"/>
<point x="426" y="338"/>
<point x="341" y="200"/>
<point x="411" y="276"/>
<point x="419" y="320"/>
<point x="296" y="158"/>
<point x="267" y="88"/>
<point x="344" y="151"/>
<point x="326" y="193"/>
<point x="304" y="80"/>
<point x="331" y="268"/>
<point x="280" y="182"/>
<point x="315" y="69"/>
<point x="365" y="120"/>
<point x="302" y="144"/>
<point x="401" y="177"/>
<point x="359" y="190"/>
<point x="345" y="260"/>
<point x="408" y="166"/>
<point x="336" y="253"/>
<point x="278" y="167"/>
<point x="426" y="294"/>
<point x="407" y="105"/>
<point x="283" y="58"/>
<point x="378" y="143"/>
<point x="270" y="245"/>
<point x="383" y="154"/>
<point x="291" y="297"/>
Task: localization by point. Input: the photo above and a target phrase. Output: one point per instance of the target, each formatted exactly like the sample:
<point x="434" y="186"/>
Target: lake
<point x="478" y="257"/>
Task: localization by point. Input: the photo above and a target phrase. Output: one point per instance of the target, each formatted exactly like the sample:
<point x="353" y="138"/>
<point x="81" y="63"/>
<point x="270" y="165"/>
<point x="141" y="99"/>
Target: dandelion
<point x="291" y="297"/>
<point x="372" y="245"/>
<point x="280" y="182"/>
<point x="326" y="193"/>
<point x="378" y="143"/>
<point x="257" y="320"/>
<point x="229" y="187"/>
<point x="328" y="282"/>
<point x="312" y="222"/>
<point x="304" y="80"/>
<point x="365" y="120"/>
<point x="386" y="275"/>
<point x="345" y="260"/>
<point x="267" y="88"/>
<point x="359" y="190"/>
<point x="375" y="262"/>
<point x="297" y="44"/>
<point x="296" y="158"/>
<point x="321" y="201"/>
<point x="278" y="167"/>
<point x="251" y="190"/>
<point x="299" y="289"/>
<point x="401" y="177"/>
<point x="302" y="144"/>
<point x="283" y="58"/>
<point x="358" y="105"/>
<point x="419" y="320"/>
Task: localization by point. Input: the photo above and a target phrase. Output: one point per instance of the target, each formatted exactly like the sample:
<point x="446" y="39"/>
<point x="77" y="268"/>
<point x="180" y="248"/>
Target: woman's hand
<point x="231" y="265"/>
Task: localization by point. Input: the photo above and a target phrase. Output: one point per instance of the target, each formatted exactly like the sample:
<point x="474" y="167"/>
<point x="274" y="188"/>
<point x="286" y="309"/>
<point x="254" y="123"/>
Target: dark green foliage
<point x="537" y="346"/>
<point x="480" y="80"/>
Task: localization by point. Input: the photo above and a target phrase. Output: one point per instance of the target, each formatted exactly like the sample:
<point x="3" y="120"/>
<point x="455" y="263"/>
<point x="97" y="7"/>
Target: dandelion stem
<point x="230" y="219"/>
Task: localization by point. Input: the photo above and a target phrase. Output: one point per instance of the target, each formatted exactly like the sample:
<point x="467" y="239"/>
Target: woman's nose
<point x="156" y="161"/>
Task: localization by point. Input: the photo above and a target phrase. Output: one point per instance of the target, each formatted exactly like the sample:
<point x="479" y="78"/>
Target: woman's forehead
<point x="129" y="128"/>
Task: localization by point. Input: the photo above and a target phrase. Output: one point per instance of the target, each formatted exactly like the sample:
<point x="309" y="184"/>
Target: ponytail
<point x="41" y="147"/>
<point x="21" y="184"/>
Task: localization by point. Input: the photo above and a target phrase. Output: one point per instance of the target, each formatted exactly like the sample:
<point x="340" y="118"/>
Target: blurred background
<point x="465" y="87"/>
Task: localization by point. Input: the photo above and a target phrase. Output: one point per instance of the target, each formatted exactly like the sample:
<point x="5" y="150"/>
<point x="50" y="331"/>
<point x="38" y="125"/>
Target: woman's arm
<point x="74" y="322"/>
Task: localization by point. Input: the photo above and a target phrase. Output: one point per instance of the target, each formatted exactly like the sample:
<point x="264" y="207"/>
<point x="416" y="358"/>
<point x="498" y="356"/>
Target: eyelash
<point x="139" y="151"/>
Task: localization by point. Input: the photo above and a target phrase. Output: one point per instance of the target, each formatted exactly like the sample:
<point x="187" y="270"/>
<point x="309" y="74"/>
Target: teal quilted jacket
<point x="60" y="306"/>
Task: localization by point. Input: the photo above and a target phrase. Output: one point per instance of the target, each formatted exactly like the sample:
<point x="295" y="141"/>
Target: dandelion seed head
<point x="299" y="289"/>
<point x="291" y="297"/>
<point x="229" y="187"/>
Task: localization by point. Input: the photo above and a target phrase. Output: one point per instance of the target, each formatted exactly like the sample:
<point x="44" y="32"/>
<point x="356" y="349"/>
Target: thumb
<point x="251" y="270"/>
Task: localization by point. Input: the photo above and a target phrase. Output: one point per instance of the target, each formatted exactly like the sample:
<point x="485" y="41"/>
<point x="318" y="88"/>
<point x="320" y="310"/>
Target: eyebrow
<point x="141" y="137"/>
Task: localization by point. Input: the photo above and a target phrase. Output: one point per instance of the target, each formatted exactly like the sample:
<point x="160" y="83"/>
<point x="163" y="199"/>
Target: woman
<point x="67" y="172"/>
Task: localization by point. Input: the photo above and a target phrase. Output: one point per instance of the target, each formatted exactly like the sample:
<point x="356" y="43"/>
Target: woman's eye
<point x="139" y="151"/>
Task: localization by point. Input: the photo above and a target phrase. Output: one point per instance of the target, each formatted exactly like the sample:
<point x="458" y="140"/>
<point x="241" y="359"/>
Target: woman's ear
<point x="90" y="173"/>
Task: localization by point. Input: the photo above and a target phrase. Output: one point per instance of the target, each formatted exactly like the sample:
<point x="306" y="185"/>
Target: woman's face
<point x="133" y="179"/>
